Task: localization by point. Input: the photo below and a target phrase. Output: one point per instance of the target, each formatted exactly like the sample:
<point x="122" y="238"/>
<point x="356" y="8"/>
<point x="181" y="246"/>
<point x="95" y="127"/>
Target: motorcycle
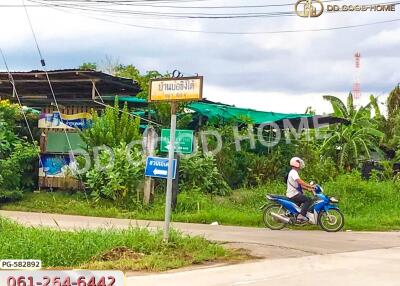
<point x="323" y="212"/>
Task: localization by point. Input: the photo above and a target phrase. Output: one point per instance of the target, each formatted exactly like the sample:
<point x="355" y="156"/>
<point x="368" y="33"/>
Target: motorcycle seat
<point x="279" y="197"/>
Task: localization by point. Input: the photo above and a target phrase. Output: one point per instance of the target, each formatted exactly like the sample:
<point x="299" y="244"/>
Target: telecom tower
<point x="356" y="91"/>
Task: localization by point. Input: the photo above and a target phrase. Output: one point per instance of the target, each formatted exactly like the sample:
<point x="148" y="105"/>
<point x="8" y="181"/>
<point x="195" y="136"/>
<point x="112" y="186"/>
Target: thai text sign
<point x="158" y="167"/>
<point x="183" y="141"/>
<point x="176" y="89"/>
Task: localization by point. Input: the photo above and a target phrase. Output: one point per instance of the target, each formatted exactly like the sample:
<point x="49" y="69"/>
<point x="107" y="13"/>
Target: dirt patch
<point x="119" y="253"/>
<point x="262" y="251"/>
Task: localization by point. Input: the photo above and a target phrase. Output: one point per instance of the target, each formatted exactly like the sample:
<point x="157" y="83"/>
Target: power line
<point x="233" y="33"/>
<point x="193" y="15"/>
<point x="102" y="11"/>
<point x="134" y="3"/>
<point x="11" y="79"/>
<point x="43" y="63"/>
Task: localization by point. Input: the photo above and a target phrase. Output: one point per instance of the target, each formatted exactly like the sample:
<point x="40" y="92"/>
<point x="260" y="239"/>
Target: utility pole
<point x="356" y="90"/>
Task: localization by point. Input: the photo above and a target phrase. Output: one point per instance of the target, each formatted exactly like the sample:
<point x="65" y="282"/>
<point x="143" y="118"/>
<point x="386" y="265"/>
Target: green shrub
<point x="112" y="127"/>
<point x="119" y="180"/>
<point x="262" y="168"/>
<point x="17" y="171"/>
<point x="319" y="168"/>
<point x="201" y="172"/>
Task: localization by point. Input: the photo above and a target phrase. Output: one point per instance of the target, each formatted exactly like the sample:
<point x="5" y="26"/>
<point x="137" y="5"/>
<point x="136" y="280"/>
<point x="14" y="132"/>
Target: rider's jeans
<point x="302" y="199"/>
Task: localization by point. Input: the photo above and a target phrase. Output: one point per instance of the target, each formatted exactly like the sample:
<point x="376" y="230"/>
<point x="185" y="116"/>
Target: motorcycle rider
<point x="295" y="186"/>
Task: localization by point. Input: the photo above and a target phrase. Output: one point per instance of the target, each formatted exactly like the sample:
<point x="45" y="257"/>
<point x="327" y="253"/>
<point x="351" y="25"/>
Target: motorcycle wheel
<point x="270" y="221"/>
<point x="331" y="221"/>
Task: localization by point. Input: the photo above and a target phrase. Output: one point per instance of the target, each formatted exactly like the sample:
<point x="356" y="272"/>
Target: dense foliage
<point x="18" y="157"/>
<point x="117" y="168"/>
<point x="201" y="173"/>
<point x="117" y="177"/>
<point x="112" y="128"/>
<point x="349" y="144"/>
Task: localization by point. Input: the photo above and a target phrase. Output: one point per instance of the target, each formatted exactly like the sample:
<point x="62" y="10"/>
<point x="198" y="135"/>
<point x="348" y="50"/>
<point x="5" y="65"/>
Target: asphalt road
<point x="301" y="257"/>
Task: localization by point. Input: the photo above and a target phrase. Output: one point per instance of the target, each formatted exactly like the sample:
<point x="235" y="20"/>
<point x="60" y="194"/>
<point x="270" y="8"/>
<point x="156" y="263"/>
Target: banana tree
<point x="348" y="144"/>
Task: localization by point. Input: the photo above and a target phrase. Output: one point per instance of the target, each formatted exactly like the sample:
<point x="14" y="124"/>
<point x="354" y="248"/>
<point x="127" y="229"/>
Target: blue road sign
<point x="158" y="167"/>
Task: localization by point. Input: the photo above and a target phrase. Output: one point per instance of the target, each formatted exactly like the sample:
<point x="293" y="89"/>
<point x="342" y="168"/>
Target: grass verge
<point x="367" y="205"/>
<point x="130" y="249"/>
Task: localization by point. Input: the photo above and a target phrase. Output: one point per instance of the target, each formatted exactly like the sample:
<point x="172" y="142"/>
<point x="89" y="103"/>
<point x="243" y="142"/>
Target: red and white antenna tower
<point x="356" y="91"/>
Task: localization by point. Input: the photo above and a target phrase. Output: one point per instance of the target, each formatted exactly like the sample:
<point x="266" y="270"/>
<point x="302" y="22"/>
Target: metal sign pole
<point x="171" y="152"/>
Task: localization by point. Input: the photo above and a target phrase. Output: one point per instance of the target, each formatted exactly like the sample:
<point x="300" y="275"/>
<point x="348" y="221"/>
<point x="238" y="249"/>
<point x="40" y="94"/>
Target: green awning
<point x="32" y="110"/>
<point x="130" y="99"/>
<point x="227" y="112"/>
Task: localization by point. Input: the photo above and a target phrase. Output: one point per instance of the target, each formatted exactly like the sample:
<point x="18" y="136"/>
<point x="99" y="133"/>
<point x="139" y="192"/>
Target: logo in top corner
<point x="309" y="8"/>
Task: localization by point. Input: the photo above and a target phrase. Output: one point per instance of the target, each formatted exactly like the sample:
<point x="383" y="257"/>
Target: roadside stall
<point x="77" y="93"/>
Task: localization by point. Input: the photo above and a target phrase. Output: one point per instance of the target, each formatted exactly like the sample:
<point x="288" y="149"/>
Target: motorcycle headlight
<point x="334" y="200"/>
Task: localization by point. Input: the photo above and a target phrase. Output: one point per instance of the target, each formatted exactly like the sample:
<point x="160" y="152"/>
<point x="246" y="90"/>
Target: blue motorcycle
<point x="323" y="212"/>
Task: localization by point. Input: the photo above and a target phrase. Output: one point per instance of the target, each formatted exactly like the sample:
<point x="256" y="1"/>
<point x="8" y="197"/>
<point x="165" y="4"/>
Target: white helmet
<point x="297" y="163"/>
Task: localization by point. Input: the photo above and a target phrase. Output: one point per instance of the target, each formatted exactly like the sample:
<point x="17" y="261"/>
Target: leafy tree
<point x="391" y="126"/>
<point x="88" y="66"/>
<point x="143" y="80"/>
<point x="347" y="144"/>
<point x="393" y="102"/>
<point x="163" y="109"/>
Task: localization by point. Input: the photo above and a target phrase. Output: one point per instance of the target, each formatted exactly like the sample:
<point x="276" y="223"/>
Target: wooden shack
<point x="77" y="93"/>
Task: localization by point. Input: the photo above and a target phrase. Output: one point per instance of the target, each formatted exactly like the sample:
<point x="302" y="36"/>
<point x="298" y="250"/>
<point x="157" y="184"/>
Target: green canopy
<point x="227" y="112"/>
<point x="130" y="99"/>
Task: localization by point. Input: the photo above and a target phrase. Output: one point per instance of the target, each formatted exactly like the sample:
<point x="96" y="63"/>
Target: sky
<point x="281" y="72"/>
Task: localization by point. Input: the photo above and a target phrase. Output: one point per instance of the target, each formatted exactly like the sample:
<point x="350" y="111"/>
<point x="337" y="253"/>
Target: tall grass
<point x="367" y="205"/>
<point x="84" y="248"/>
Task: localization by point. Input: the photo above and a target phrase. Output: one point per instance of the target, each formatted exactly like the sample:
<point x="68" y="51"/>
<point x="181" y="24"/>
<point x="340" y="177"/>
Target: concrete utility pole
<point x="171" y="152"/>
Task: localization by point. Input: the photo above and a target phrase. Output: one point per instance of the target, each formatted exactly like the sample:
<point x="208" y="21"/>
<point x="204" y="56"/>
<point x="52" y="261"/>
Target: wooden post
<point x="175" y="184"/>
<point x="93" y="90"/>
<point x="148" y="189"/>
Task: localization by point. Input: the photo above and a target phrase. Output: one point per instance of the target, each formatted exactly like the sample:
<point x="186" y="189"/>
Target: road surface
<point x="362" y="268"/>
<point x="301" y="257"/>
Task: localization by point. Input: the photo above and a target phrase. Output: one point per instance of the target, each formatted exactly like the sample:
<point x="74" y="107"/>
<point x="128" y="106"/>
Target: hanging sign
<point x="65" y="121"/>
<point x="176" y="89"/>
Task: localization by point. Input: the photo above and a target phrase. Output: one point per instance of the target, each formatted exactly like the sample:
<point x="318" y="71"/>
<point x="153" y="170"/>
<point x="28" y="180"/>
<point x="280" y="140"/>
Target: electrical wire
<point x="11" y="79"/>
<point x="229" y="32"/>
<point x="192" y="15"/>
<point x="129" y="3"/>
<point x="175" y="15"/>
<point x="43" y="63"/>
<point x="120" y="110"/>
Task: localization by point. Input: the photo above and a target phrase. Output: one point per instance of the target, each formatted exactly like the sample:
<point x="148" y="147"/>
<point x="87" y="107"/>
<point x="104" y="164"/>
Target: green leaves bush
<point x="18" y="158"/>
<point x="112" y="127"/>
<point x="119" y="180"/>
<point x="201" y="172"/>
<point x="117" y="177"/>
<point x="16" y="171"/>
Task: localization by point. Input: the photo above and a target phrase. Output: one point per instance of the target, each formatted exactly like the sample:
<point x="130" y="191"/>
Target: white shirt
<point x="292" y="184"/>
